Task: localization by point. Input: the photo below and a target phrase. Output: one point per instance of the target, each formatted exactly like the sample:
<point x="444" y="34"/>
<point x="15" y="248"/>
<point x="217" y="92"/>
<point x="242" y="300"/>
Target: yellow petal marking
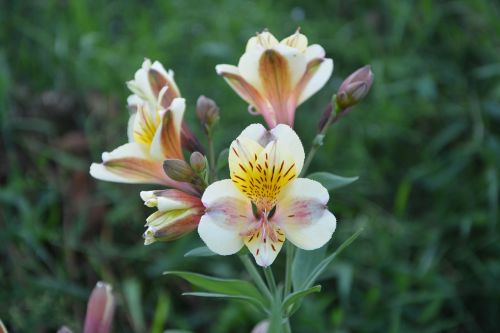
<point x="260" y="173"/>
<point x="145" y="125"/>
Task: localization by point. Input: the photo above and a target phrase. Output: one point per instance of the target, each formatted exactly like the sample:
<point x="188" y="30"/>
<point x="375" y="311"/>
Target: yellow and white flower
<point x="264" y="202"/>
<point x="154" y="132"/>
<point x="276" y="77"/>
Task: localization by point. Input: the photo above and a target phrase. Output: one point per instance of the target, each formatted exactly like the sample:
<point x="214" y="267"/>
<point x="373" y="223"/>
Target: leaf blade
<point x="331" y="181"/>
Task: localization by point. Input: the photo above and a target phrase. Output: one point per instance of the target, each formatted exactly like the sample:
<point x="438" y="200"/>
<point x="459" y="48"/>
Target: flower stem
<point x="290" y="254"/>
<point x="247" y="262"/>
<point x="268" y="272"/>
<point x="335" y="115"/>
<point x="211" y="158"/>
<point x="286" y="326"/>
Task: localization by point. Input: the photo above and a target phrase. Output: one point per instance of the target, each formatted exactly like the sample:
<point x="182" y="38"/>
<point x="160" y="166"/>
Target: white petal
<point x="302" y="213"/>
<point x="130" y="127"/>
<point x="248" y="67"/>
<point x="297" y="40"/>
<point x="288" y="141"/>
<point x="263" y="40"/>
<point x="221" y="190"/>
<point x="315" y="51"/>
<point x="217" y="237"/>
<point x="254" y="132"/>
<point x="127" y="150"/>
<point x="296" y="62"/>
<point x="317" y="81"/>
<point x="264" y="252"/>
<point x="227" y="214"/>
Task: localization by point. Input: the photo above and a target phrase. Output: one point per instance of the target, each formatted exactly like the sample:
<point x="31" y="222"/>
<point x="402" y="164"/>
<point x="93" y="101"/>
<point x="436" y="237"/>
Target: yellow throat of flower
<point x="260" y="173"/>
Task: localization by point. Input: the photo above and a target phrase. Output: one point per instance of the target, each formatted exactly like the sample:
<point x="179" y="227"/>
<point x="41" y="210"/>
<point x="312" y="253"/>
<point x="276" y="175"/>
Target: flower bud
<point x="178" y="170"/>
<point x="178" y="214"/>
<point x="100" y="309"/>
<point x="63" y="329"/>
<point x="207" y="111"/>
<point x="198" y="162"/>
<point x="355" y="87"/>
<point x="261" y="327"/>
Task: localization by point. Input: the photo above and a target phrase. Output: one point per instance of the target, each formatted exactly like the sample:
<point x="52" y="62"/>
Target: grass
<point x="425" y="145"/>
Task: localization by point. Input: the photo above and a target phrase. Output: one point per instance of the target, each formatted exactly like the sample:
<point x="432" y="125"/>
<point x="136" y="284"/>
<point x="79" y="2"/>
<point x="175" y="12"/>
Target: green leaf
<point x="304" y="263"/>
<point x="331" y="181"/>
<point x="222" y="160"/>
<point x="232" y="287"/>
<point x="132" y="291"/>
<point x="201" y="251"/>
<point x="250" y="300"/>
<point x="325" y="262"/>
<point x="298" y="295"/>
<point x="161" y="313"/>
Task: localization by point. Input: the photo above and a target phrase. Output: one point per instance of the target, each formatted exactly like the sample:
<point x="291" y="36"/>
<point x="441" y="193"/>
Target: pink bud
<point x="261" y="327"/>
<point x="100" y="309"/>
<point x="207" y="111"/>
<point x="355" y="87"/>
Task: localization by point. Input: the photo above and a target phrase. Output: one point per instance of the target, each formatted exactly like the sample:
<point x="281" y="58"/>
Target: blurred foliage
<point x="425" y="144"/>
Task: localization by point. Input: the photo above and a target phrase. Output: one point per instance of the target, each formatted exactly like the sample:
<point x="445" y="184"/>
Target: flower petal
<point x="317" y="74"/>
<point x="129" y="163"/>
<point x="228" y="214"/>
<point x="159" y="78"/>
<point x="297" y="41"/>
<point x="315" y="51"/>
<point x="167" y="139"/>
<point x="263" y="248"/>
<point x="288" y="141"/>
<point x="246" y="91"/>
<point x="263" y="39"/>
<point x="302" y="213"/>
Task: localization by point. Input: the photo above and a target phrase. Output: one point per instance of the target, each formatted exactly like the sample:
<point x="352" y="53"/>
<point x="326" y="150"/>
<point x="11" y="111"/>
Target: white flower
<point x="276" y="77"/>
<point x="264" y="167"/>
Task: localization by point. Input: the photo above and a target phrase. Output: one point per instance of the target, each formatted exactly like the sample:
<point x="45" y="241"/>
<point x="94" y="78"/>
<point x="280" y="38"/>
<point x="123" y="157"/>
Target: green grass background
<point x="425" y="143"/>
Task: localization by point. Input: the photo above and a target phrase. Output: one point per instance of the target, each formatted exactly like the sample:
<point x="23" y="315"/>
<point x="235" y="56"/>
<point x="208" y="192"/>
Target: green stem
<point x="211" y="158"/>
<point x="268" y="272"/>
<point x="247" y="262"/>
<point x="286" y="326"/>
<point x="336" y="114"/>
<point x="290" y="254"/>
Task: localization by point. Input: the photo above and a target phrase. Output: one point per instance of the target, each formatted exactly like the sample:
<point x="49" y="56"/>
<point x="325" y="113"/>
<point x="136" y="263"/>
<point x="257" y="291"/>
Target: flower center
<point x="262" y="176"/>
<point x="145" y="124"/>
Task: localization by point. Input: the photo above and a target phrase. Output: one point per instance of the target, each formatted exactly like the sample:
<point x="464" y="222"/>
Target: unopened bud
<point x="261" y="327"/>
<point x="198" y="162"/>
<point x="355" y="87"/>
<point x="207" y="111"/>
<point x="178" y="170"/>
<point x="100" y="309"/>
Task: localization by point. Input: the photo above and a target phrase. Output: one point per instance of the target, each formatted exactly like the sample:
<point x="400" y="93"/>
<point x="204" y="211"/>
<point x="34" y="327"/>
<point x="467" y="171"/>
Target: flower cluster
<point x="265" y="201"/>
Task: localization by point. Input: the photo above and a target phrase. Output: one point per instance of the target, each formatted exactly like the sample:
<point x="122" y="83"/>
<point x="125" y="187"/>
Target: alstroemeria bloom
<point x="276" y="77"/>
<point x="264" y="202"/>
<point x="178" y="213"/>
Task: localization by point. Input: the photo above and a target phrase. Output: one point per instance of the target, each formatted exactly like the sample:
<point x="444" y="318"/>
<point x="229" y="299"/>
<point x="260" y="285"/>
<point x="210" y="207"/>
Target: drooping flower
<point x="276" y="77"/>
<point x="178" y="214"/>
<point x="100" y="309"/>
<point x="264" y="202"/>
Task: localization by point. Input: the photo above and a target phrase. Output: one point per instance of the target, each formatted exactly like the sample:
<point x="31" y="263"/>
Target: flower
<point x="264" y="202"/>
<point x="178" y="214"/>
<point x="100" y="309"/>
<point x="155" y="131"/>
<point x="276" y="77"/>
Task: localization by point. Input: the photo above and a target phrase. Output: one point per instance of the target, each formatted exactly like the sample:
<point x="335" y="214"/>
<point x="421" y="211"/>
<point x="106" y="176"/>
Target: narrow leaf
<point x="331" y="181"/>
<point x="298" y="295"/>
<point x="232" y="287"/>
<point x="201" y="251"/>
<point x="325" y="262"/>
<point x="222" y="160"/>
<point x="250" y="300"/>
<point x="304" y="263"/>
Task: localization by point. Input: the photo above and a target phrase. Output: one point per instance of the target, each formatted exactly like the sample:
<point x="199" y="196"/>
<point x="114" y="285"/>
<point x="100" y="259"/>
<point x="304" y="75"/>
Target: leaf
<point x="132" y="291"/>
<point x="161" y="313"/>
<point x="201" y="251"/>
<point x="298" y="295"/>
<point x="232" y="287"/>
<point x="325" y="262"/>
<point x="331" y="181"/>
<point x="303" y="264"/>
<point x="250" y="300"/>
<point x="222" y="160"/>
